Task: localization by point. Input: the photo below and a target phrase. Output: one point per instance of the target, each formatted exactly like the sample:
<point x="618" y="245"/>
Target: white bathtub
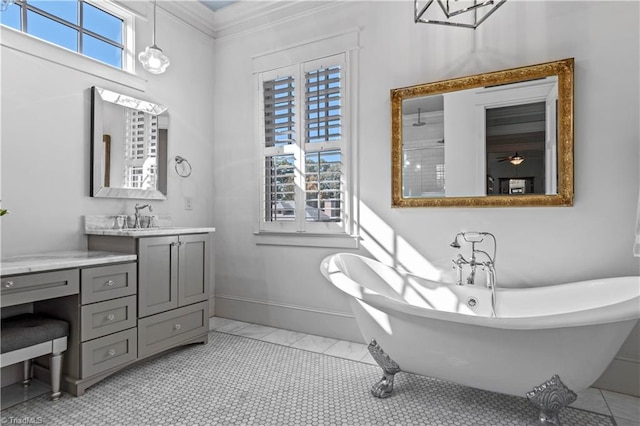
<point x="570" y="330"/>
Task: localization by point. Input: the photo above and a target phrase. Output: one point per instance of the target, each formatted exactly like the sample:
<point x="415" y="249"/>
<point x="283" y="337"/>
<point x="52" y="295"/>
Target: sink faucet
<point x="138" y="207"/>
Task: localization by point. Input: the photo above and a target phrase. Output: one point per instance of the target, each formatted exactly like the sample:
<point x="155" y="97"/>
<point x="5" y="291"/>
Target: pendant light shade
<point x="153" y="59"/>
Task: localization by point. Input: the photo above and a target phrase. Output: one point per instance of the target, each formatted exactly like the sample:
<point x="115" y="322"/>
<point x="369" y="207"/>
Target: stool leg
<point x="27" y="372"/>
<point x="55" y="367"/>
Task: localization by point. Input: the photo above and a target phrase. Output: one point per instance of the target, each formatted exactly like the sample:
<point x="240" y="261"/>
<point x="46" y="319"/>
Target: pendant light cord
<point x="155" y="4"/>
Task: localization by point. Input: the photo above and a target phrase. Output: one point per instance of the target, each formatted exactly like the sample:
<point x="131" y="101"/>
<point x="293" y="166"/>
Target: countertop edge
<point x="154" y="232"/>
<point x="44" y="262"/>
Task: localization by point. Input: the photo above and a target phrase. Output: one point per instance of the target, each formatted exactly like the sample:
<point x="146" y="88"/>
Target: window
<point x="305" y="145"/>
<point x="99" y="32"/>
<point x="140" y="169"/>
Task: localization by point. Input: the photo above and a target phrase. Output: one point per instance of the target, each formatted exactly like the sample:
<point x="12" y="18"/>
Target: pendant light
<point x="152" y="59"/>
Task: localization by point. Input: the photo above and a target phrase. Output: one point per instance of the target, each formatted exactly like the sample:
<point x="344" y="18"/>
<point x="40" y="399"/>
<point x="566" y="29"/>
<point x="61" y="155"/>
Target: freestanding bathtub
<point x="539" y="335"/>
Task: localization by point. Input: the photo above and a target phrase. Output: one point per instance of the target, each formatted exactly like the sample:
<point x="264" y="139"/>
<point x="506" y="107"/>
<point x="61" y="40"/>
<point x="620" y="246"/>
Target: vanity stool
<point x="28" y="336"/>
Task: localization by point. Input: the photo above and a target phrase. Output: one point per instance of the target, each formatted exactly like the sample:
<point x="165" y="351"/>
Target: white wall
<point x="45" y="137"/>
<point x="45" y="151"/>
<point x="282" y="286"/>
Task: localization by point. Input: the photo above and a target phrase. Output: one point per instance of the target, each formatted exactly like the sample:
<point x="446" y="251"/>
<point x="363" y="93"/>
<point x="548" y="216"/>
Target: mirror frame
<point x="563" y="69"/>
<point x="99" y="183"/>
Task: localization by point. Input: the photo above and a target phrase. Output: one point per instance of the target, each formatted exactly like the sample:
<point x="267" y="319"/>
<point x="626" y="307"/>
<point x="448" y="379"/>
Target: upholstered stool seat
<point x="28" y="336"/>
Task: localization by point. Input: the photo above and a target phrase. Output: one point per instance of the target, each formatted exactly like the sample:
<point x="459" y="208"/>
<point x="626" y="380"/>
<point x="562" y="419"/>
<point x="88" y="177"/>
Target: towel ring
<point x="183" y="167"/>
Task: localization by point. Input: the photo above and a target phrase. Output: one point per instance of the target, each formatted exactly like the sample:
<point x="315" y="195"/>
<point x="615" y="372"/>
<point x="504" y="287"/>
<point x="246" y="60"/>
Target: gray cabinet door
<point x="194" y="264"/>
<point x="157" y="274"/>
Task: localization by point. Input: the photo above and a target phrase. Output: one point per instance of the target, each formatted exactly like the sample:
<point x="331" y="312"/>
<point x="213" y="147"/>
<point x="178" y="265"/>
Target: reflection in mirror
<point x="129" y="139"/>
<point x="503" y="138"/>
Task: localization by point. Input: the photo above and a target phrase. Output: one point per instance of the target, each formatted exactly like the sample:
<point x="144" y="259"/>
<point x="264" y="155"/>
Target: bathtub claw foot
<point x="384" y="387"/>
<point x="551" y="397"/>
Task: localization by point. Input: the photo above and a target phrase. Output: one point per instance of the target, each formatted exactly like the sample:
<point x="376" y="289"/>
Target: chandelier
<point x="457" y="13"/>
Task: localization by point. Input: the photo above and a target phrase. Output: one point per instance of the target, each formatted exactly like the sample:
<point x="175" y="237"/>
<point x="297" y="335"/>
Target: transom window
<point x="97" y="30"/>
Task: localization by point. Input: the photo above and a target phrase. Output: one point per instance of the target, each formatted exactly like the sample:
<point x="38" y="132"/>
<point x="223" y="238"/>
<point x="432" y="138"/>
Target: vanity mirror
<point x="129" y="138"/>
<point x="502" y="138"/>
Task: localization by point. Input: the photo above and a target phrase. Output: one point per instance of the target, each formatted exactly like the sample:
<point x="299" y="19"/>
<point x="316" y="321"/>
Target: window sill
<point x="25" y="43"/>
<point x="307" y="240"/>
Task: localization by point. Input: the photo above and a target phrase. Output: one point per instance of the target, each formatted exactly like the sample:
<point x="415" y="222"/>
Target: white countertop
<point x="60" y="260"/>
<point x="149" y="232"/>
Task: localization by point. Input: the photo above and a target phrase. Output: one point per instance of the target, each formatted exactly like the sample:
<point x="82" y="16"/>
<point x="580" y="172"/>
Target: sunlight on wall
<point x="382" y="242"/>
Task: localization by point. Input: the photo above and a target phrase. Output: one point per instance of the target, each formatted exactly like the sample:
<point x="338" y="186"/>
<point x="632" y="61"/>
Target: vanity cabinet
<point x="103" y="320"/>
<point x="173" y="278"/>
<point x="173" y="272"/>
<point x="126" y="298"/>
<point x="173" y="287"/>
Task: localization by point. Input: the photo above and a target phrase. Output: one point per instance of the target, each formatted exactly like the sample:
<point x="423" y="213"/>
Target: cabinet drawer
<point x="108" y="282"/>
<point x="28" y="288"/>
<point x="100" y="319"/>
<point x="167" y="329"/>
<point x="107" y="352"/>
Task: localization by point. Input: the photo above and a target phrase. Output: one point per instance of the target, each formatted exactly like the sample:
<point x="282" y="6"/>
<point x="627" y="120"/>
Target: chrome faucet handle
<point x="122" y="221"/>
<point x="457" y="265"/>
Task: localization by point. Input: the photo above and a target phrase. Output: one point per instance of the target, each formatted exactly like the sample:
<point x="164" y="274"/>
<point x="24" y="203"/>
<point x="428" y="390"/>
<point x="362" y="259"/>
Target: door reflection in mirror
<point x="515" y="146"/>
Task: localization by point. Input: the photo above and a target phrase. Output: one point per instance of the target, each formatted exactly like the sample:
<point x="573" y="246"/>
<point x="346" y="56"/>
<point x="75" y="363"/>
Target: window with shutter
<point x="304" y="145"/>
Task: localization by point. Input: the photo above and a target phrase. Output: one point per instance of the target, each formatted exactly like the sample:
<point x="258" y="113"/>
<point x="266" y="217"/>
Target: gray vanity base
<point x="77" y="387"/>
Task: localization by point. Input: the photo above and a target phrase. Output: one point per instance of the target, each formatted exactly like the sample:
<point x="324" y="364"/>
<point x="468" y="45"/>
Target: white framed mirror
<point x="129" y="140"/>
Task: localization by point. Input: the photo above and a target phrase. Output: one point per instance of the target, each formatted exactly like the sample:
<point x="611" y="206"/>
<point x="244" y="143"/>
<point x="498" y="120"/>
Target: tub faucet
<point x="138" y="207"/>
<point x="489" y="265"/>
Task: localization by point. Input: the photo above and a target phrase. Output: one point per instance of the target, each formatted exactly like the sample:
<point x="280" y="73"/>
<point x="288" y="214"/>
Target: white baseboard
<point x="303" y="319"/>
<point x="622" y="376"/>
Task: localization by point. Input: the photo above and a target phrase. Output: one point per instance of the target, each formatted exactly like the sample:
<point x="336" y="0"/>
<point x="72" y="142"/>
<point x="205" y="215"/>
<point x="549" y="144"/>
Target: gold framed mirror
<point x="502" y="138"/>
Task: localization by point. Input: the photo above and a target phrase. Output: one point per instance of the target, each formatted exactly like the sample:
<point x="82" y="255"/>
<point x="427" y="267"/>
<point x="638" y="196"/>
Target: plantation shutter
<point x="323" y="142"/>
<point x="279" y="139"/>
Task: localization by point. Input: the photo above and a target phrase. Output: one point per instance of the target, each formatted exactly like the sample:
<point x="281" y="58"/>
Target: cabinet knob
<point x="8" y="284"/>
<point x="111" y="317"/>
<point x="111" y="352"/>
<point x="177" y="327"/>
<point x="110" y="283"/>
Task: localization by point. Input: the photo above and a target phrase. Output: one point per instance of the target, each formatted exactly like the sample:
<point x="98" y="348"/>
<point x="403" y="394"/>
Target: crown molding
<point x="239" y="17"/>
<point x="193" y="13"/>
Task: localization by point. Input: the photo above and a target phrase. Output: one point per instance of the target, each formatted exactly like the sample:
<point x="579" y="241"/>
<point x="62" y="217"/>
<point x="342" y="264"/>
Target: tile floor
<point x="250" y="374"/>
<point x="624" y="409"/>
